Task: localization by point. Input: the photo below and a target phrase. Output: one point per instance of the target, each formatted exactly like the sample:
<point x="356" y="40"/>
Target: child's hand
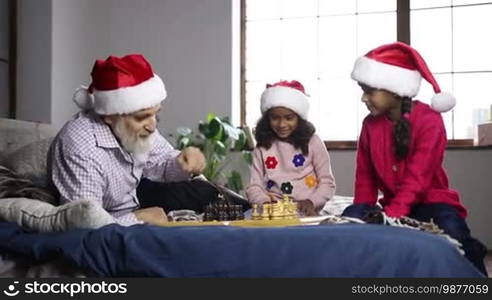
<point x="306" y="208"/>
<point x="273" y="197"/>
<point x="192" y="160"/>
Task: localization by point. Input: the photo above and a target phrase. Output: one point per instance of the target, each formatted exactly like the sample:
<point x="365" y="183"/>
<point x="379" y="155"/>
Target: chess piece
<point x="207" y="214"/>
<point x="287" y="203"/>
<point x="255" y="215"/>
<point x="285" y="198"/>
<point x="265" y="214"/>
<point x="223" y="215"/>
<point x="239" y="212"/>
<point x="278" y="211"/>
<point x="288" y="209"/>
<point x="231" y="211"/>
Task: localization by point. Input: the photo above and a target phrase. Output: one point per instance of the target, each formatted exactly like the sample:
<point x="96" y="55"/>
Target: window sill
<point x="464" y="144"/>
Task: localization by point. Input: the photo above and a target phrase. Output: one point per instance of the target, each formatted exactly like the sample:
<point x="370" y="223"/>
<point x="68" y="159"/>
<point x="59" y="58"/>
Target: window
<point x="317" y="42"/>
<point x="454" y="38"/>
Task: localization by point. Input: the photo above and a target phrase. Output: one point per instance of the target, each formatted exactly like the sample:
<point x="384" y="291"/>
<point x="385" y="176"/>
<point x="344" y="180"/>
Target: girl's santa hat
<point x="121" y="86"/>
<point x="399" y="68"/>
<point x="288" y="94"/>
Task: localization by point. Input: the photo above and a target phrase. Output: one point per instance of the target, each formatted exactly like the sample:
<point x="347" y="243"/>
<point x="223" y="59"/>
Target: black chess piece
<point x="223" y="215"/>
<point x="239" y="212"/>
<point x="207" y="216"/>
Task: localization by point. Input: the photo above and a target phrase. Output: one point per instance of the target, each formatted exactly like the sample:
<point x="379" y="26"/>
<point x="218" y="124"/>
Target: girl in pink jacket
<point x="401" y="147"/>
<point x="289" y="158"/>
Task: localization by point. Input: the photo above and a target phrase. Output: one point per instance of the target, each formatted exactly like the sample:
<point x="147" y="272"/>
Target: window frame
<point x="403" y="35"/>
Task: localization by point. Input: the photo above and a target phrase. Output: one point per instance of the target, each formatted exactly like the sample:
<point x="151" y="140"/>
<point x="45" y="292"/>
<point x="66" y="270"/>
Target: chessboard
<point x="273" y="214"/>
<point x="252" y="223"/>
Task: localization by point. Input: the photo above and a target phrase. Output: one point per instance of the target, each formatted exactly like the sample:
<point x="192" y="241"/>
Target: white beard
<point x="131" y="142"/>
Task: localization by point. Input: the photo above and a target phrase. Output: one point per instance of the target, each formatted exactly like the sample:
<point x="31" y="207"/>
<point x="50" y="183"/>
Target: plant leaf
<point x="241" y="142"/>
<point x="235" y="181"/>
<point x="204" y="129"/>
<point x="183" y="131"/>
<point x="184" y="142"/>
<point x="248" y="157"/>
<point x="210" y="116"/>
<point x="232" y="132"/>
<point x="216" y="128"/>
<point x="226" y="120"/>
<point x="220" y="148"/>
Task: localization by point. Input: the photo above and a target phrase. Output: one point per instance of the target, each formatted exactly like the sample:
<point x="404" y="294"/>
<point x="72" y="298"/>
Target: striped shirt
<point x="86" y="161"/>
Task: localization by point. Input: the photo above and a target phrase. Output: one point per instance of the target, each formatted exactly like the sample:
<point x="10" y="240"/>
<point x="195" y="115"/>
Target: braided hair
<point x="401" y="131"/>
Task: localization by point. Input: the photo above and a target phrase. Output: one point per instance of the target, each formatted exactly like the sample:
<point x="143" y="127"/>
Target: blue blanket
<point x="348" y="250"/>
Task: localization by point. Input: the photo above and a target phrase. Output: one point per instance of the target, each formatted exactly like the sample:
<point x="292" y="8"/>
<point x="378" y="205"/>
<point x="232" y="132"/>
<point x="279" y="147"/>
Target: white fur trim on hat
<point x="399" y="80"/>
<point x="130" y="99"/>
<point x="286" y="97"/>
<point x="443" y="102"/>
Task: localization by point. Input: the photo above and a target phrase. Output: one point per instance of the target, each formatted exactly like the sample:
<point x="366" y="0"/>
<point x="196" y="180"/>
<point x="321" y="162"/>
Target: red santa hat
<point x="399" y="68"/>
<point x="288" y="94"/>
<point x="121" y="86"/>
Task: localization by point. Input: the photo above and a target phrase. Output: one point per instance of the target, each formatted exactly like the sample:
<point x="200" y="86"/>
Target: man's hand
<point x="306" y="208"/>
<point x="151" y="215"/>
<point x="192" y="160"/>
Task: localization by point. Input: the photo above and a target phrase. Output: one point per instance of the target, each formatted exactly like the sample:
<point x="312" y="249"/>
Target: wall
<point x="4" y="54"/>
<point x="80" y="35"/>
<point x="34" y="60"/>
<point x="188" y="43"/>
<point x="470" y="172"/>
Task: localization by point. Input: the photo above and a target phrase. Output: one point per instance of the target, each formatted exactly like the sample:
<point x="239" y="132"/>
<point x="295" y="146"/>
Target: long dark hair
<point x="402" y="130"/>
<point x="299" y="138"/>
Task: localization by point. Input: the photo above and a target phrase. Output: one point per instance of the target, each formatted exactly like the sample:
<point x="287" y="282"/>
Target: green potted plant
<point x="219" y="140"/>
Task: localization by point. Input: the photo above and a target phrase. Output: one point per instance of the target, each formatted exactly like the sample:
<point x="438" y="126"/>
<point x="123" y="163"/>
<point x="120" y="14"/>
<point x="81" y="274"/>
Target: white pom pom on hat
<point x="443" y="102"/>
<point x="83" y="98"/>
<point x="399" y="68"/>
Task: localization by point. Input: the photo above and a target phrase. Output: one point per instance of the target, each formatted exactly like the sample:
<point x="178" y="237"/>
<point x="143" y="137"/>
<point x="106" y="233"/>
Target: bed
<point x="38" y="239"/>
<point x="345" y="250"/>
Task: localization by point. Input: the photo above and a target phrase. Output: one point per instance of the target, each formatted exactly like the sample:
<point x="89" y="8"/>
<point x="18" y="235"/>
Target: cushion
<point x="44" y="217"/>
<point x="14" y="186"/>
<point x="29" y="161"/>
<point x="17" y="133"/>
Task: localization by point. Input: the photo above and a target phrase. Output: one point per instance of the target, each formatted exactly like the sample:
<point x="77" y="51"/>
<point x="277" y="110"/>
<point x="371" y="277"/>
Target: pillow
<point x="29" y="161"/>
<point x="44" y="217"/>
<point x="15" y="186"/>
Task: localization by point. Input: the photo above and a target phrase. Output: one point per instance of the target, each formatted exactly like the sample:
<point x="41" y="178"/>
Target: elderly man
<point x="113" y="143"/>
